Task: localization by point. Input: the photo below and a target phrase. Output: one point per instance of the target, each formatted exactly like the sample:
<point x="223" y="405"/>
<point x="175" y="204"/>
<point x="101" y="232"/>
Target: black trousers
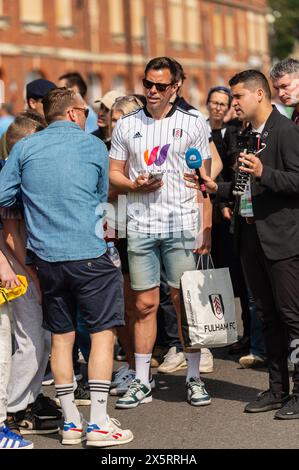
<point x="223" y="255"/>
<point x="275" y="287"/>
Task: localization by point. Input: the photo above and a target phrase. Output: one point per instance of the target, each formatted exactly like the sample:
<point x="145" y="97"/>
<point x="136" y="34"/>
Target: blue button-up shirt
<point x="63" y="175"/>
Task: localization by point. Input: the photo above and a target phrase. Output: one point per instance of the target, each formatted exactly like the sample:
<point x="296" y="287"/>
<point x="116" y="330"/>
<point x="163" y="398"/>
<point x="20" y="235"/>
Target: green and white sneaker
<point x="137" y="394"/>
<point x="196" y="392"/>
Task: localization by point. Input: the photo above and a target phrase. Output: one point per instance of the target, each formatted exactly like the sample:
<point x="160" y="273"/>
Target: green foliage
<point x="285" y="28"/>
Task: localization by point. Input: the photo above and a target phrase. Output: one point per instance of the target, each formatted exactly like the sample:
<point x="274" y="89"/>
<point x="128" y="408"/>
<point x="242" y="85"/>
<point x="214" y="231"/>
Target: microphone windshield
<point x="193" y="158"/>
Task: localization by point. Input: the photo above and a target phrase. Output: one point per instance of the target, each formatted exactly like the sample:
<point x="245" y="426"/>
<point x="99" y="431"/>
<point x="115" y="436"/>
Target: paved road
<point x="169" y="422"/>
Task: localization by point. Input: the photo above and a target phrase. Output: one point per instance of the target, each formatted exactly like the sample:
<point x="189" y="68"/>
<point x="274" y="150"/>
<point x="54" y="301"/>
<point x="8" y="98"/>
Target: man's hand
<point x="253" y="164"/>
<point x="144" y="185"/>
<point x="193" y="181"/>
<point x="204" y="243"/>
<point x="8" y="278"/>
<point x="227" y="213"/>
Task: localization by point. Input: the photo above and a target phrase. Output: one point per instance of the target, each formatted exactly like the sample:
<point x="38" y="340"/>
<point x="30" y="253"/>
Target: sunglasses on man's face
<point x="86" y="111"/>
<point x="159" y="86"/>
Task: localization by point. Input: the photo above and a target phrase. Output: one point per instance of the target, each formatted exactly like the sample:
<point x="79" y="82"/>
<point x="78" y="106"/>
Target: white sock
<point x="143" y="364"/>
<point x="193" y="365"/>
<point x="99" y="390"/>
<point x="65" y="393"/>
<point x="75" y="384"/>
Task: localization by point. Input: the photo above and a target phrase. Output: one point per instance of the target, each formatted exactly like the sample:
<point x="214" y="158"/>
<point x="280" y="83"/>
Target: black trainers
<point x="265" y="401"/>
<point x="81" y="394"/>
<point x="290" y="408"/>
<point x="31" y="424"/>
<point x="45" y="408"/>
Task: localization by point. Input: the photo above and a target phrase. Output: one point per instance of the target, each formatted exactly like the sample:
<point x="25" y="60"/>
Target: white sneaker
<point x="251" y="360"/>
<point x="206" y="363"/>
<point x="196" y="392"/>
<point x="172" y="361"/>
<point x="123" y="383"/>
<point x="118" y="376"/>
<point x="124" y="386"/>
<point x="291" y="365"/>
<point x="109" y="434"/>
<point x="138" y="393"/>
<point x="72" y="434"/>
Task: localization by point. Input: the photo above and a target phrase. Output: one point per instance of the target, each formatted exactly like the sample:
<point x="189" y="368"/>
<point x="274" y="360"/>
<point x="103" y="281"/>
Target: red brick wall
<point x="14" y="68"/>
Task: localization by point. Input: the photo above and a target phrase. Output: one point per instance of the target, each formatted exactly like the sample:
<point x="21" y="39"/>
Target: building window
<point x="229" y="31"/>
<point x="33" y="75"/>
<point x="116" y="19"/>
<point x="94" y="88"/>
<point x="176" y="24"/>
<point x="194" y="92"/>
<point x="118" y="83"/>
<point x="1" y="7"/>
<point x="262" y="34"/>
<point x="31" y="16"/>
<point x="251" y="31"/>
<point x="137" y="19"/>
<point x="192" y="25"/>
<point x="64" y="18"/>
<point x="31" y="11"/>
<point x="218" y="29"/>
<point x="2" y="90"/>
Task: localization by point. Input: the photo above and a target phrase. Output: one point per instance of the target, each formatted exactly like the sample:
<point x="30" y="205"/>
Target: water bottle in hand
<point x="113" y="254"/>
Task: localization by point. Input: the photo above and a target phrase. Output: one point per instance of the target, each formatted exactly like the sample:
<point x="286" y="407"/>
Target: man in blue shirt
<point x="63" y="175"/>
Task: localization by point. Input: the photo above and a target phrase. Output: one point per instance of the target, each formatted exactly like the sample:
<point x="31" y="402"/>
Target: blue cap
<point x="39" y="88"/>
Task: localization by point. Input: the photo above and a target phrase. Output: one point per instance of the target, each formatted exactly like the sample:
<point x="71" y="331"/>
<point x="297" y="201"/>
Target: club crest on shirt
<point x="177" y="133"/>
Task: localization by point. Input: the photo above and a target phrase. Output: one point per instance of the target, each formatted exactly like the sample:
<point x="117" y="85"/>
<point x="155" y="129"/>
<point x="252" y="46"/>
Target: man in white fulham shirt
<point x="163" y="214"/>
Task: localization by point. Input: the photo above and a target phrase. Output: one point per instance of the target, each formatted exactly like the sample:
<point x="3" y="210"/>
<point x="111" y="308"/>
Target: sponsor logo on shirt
<point x="137" y="135"/>
<point x="156" y="157"/>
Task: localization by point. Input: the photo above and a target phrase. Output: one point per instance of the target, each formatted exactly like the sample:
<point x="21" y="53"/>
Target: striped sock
<point x="65" y="393"/>
<point x="99" y="390"/>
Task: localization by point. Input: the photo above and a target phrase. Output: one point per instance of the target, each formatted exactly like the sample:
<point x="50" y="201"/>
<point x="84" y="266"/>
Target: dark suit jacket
<point x="275" y="196"/>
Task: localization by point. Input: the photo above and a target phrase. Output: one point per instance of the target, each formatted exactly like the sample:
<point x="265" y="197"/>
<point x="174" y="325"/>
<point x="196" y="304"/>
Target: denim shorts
<point x="147" y="252"/>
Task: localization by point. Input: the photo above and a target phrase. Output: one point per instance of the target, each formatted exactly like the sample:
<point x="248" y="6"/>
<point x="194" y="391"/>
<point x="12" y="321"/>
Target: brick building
<point x="109" y="41"/>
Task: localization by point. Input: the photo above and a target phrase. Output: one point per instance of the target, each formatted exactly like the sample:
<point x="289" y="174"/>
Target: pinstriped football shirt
<point x="149" y="145"/>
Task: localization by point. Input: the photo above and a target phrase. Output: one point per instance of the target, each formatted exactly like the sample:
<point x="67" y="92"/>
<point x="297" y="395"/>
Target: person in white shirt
<point x="163" y="218"/>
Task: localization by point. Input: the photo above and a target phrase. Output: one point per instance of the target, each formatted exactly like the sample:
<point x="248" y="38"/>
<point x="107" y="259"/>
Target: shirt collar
<point x="170" y="112"/>
<point x="64" y="123"/>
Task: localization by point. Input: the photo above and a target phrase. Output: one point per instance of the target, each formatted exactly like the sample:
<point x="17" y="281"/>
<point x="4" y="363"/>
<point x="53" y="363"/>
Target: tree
<point x="285" y="32"/>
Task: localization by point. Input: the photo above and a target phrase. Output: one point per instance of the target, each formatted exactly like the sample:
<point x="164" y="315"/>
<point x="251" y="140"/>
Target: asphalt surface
<point x="169" y="422"/>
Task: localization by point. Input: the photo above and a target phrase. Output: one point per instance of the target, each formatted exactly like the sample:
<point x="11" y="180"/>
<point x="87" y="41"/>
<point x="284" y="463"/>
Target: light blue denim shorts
<point x="147" y="252"/>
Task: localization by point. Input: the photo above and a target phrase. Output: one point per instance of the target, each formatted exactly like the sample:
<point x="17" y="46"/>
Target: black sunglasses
<point x="86" y="110"/>
<point x="159" y="86"/>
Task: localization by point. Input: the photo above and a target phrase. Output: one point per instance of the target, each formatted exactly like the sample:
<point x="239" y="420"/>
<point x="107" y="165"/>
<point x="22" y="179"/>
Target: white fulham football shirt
<point x="149" y="144"/>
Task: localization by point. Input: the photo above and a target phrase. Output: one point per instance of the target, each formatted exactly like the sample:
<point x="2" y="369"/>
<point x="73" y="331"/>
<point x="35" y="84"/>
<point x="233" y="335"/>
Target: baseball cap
<point x="39" y="88"/>
<point x="109" y="98"/>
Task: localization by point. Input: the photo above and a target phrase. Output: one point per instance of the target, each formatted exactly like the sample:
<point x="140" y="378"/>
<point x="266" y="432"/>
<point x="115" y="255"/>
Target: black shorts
<point x="94" y="287"/>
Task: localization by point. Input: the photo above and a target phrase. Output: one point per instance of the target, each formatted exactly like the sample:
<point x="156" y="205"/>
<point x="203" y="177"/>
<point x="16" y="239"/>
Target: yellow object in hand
<point x="6" y="295"/>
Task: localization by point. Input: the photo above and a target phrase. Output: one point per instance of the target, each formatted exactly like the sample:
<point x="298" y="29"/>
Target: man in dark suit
<point x="268" y="234"/>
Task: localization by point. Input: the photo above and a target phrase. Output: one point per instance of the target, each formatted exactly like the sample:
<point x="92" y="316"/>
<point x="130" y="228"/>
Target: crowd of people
<point x="73" y="180"/>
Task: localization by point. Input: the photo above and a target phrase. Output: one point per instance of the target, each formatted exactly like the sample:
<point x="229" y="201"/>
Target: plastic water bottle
<point x="113" y="254"/>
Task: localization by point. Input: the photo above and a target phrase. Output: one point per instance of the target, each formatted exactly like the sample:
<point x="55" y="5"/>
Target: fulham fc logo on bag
<point x="217" y="305"/>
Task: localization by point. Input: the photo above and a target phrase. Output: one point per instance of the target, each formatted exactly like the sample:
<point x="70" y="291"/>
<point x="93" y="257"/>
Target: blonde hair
<point x="127" y="104"/>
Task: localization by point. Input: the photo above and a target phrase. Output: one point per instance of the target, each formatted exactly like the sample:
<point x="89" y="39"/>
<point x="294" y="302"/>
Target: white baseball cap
<point x="109" y="98"/>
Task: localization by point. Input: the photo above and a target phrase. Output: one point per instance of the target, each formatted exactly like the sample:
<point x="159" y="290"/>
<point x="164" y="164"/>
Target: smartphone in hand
<point x="155" y="175"/>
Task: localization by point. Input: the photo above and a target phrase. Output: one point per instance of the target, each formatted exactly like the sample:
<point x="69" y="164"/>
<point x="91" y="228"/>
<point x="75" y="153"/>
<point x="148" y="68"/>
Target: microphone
<point x="194" y="162"/>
